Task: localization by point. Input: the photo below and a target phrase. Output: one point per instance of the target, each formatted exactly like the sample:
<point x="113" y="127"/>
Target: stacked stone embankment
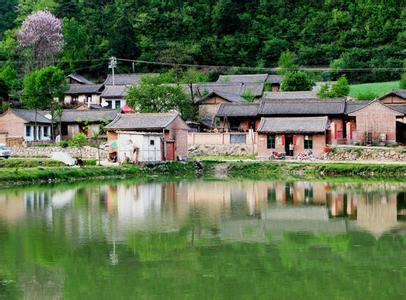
<point x="86" y="152"/>
<point x="397" y="154"/>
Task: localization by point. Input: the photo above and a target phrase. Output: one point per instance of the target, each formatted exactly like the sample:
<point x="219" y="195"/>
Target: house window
<point x="75" y="99"/>
<point x="89" y="99"/>
<point x="270" y="142"/>
<point x="117" y="104"/>
<point x="46" y="129"/>
<point x="152" y="142"/>
<point x="308" y="142"/>
<point x="27" y="131"/>
<point x="109" y="104"/>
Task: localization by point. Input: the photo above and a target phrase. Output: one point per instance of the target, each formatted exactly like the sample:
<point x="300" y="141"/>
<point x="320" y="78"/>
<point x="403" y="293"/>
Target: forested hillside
<point x="343" y="33"/>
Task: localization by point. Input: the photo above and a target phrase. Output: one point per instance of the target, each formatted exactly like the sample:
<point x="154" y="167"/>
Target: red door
<point x="170" y="150"/>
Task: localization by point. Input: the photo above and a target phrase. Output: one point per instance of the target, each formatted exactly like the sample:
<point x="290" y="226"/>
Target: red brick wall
<point x="319" y="141"/>
<point x="12" y="124"/>
<point x="178" y="130"/>
<point x="375" y="118"/>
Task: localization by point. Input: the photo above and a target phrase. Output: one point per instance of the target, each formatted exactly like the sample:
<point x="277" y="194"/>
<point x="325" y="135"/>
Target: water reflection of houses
<point x="247" y="210"/>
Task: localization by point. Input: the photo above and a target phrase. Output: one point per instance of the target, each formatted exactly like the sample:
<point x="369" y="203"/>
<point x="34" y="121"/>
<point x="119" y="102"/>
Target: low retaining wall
<point x="367" y="153"/>
<point x="223" y="150"/>
<point x="86" y="152"/>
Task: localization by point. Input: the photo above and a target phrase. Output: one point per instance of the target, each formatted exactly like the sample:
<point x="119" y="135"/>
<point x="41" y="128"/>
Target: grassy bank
<point x="36" y="162"/>
<point x="377" y="88"/>
<point x="250" y="170"/>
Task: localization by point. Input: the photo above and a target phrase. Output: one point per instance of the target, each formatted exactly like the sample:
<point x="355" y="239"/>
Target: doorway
<point x="289" y="145"/>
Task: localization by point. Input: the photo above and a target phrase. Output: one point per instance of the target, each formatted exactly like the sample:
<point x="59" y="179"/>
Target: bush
<point x="339" y="89"/>
<point x="297" y="81"/>
<point x="366" y="96"/>
<point x="64" y="144"/>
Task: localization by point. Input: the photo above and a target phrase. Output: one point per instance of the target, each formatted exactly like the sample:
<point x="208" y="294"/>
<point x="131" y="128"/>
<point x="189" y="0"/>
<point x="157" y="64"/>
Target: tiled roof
<point x="352" y="106"/>
<point x="398" y="107"/>
<point x="80" y="78"/>
<point x="90" y="115"/>
<point x="397" y="92"/>
<point x="238" y="110"/>
<point x="393" y="108"/>
<point x="114" y="91"/>
<point x="243" y="78"/>
<point x="123" y="79"/>
<point x="294" y="125"/>
<point x="29" y="115"/>
<point x="229" y="97"/>
<point x="291" y="95"/>
<point x="142" y="121"/>
<point x="274" y="78"/>
<point x="236" y="88"/>
<point x="77" y="89"/>
<point x="302" y="107"/>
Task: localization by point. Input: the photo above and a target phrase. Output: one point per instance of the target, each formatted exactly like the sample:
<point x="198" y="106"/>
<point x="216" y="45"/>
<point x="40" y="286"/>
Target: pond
<point x="204" y="239"/>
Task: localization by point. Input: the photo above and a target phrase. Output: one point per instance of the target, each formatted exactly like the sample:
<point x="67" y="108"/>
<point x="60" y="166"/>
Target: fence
<point x="226" y="138"/>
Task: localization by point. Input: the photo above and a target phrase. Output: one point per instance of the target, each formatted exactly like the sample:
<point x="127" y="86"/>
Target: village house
<point x="273" y="81"/>
<point x="172" y="128"/>
<point x="87" y="121"/>
<point x="20" y="126"/>
<point x="74" y="78"/>
<point x="79" y="94"/>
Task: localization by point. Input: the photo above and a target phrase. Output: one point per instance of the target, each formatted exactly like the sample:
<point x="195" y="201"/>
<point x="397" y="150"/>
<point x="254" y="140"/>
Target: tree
<point x="402" y="83"/>
<point x="159" y="98"/>
<point x="41" y="38"/>
<point x="66" y="9"/>
<point x="339" y="89"/>
<point x="79" y="140"/>
<point x="287" y="61"/>
<point x="41" y="87"/>
<point x="297" y="81"/>
<point x="3" y="94"/>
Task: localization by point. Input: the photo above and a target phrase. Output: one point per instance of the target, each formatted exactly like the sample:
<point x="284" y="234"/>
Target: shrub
<point x="64" y="144"/>
<point x="297" y="81"/>
<point x="366" y="95"/>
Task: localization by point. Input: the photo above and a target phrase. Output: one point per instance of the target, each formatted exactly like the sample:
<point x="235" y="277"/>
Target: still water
<point x="204" y="240"/>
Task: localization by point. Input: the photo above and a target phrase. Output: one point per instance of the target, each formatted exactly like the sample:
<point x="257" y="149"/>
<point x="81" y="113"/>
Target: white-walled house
<point x="20" y="123"/>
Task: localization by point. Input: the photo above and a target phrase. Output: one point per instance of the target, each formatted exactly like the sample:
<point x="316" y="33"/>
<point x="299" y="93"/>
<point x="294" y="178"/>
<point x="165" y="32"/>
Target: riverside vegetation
<point x="18" y="171"/>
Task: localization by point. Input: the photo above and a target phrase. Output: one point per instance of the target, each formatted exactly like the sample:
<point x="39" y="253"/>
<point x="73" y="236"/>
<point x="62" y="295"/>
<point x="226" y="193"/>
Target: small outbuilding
<point x="172" y="129"/>
<point x="139" y="147"/>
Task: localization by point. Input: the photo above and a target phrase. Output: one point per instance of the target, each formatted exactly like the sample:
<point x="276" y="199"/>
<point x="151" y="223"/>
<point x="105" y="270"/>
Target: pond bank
<point x="206" y="169"/>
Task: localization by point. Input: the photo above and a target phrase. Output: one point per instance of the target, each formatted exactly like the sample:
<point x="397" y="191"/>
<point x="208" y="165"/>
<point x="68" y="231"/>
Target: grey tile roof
<point x="29" y="115"/>
<point x="352" y="106"/>
<point x="80" y="78"/>
<point x="302" y="107"/>
<point x="398" y="107"/>
<point x="291" y="95"/>
<point x="397" y="92"/>
<point x="243" y="78"/>
<point x="114" y="91"/>
<point x="142" y="121"/>
<point x="237" y="88"/>
<point x="123" y="79"/>
<point x="88" y="115"/>
<point x="294" y="125"/>
<point x="229" y="97"/>
<point x="237" y="110"/>
<point x="274" y="79"/>
<point x="79" y="89"/>
<point x="375" y="101"/>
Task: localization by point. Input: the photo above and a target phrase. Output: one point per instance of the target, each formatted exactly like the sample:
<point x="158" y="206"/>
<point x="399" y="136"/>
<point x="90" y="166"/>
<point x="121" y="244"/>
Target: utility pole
<point x="112" y="66"/>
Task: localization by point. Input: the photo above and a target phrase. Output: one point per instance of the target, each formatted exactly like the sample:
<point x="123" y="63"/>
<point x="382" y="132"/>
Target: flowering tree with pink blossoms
<point x="41" y="39"/>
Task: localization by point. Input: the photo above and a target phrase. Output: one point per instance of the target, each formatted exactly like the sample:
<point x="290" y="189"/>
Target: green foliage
<point x="160" y="98"/>
<point x="64" y="144"/>
<point x="42" y="86"/>
<point x="287" y="60"/>
<point x="367" y="95"/>
<point x="339" y="89"/>
<point x="248" y="96"/>
<point x="377" y="88"/>
<point x="297" y="81"/>
<point x="402" y="83"/>
<point x="9" y="75"/>
<point x="190" y="75"/>
<point x="79" y="140"/>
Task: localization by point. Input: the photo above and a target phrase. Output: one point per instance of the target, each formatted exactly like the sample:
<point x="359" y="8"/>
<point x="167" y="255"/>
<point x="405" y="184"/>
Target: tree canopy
<point x="346" y="33"/>
<point x="297" y="81"/>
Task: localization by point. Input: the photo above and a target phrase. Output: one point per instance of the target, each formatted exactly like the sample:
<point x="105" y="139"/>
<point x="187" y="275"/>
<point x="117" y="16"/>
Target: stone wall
<point x="222" y="150"/>
<point x="349" y="153"/>
<point x="87" y="152"/>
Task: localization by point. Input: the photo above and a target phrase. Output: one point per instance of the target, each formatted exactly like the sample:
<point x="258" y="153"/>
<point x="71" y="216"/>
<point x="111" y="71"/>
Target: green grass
<point x="378" y="88"/>
<point x="36" y="162"/>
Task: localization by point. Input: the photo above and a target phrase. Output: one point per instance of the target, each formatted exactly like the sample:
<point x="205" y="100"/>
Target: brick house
<point x="292" y="135"/>
<point x="174" y="130"/>
<point x="79" y="94"/>
<point x="19" y="124"/>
